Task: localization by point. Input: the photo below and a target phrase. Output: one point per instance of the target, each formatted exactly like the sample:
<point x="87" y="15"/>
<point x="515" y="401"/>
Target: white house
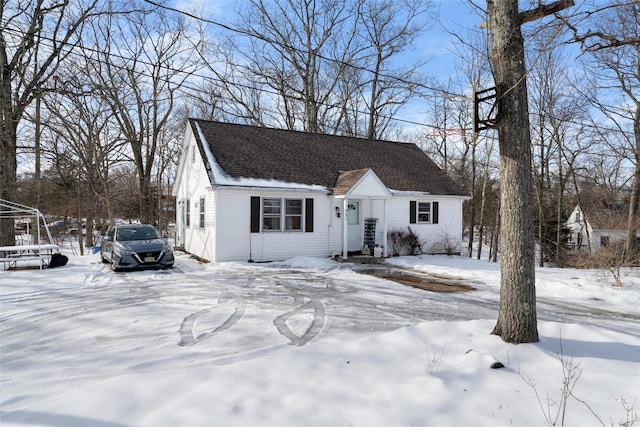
<point x="592" y="227"/>
<point x="261" y="194"/>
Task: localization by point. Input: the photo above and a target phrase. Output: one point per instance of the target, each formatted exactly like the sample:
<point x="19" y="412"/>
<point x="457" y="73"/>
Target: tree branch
<point x="539" y="12"/>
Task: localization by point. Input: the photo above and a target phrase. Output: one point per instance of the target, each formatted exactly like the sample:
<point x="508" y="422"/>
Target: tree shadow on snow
<point x="597" y="349"/>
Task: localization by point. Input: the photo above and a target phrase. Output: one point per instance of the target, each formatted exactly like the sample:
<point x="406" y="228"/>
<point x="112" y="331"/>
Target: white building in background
<point x="592" y="227"/>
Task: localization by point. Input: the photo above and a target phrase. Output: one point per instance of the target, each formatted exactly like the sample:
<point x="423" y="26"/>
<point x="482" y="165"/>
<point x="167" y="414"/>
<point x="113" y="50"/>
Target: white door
<point x="354" y="226"/>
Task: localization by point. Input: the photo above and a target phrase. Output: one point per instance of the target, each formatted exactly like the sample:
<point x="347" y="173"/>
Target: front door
<point x="354" y="226"/>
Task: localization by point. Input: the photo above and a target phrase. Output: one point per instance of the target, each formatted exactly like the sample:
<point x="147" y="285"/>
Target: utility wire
<point x="306" y="52"/>
<point x="215" y="80"/>
<point x="50" y="42"/>
<point x="341" y="63"/>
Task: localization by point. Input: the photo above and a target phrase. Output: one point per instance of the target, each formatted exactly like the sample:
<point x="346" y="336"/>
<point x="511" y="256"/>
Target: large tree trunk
<point x="146" y="208"/>
<point x="8" y="163"/>
<point x="517" y="318"/>
<point x="20" y="51"/>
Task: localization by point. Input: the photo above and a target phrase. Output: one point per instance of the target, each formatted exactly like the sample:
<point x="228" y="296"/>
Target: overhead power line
<point x="189" y="88"/>
<point x="306" y="52"/>
<point x="50" y="42"/>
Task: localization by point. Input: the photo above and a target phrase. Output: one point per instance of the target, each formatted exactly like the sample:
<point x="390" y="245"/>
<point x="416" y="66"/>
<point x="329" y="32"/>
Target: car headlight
<point x="121" y="252"/>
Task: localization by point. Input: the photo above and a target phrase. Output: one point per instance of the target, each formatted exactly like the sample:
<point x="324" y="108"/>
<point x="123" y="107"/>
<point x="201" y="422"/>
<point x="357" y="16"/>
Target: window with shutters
<point x="293" y="214"/>
<point x="280" y="214"/>
<point x="271" y="214"/>
<point x="424" y="212"/>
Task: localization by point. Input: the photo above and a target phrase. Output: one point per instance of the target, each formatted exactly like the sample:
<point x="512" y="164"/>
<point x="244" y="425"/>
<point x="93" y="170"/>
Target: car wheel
<point x="114" y="264"/>
<point x="104" y="260"/>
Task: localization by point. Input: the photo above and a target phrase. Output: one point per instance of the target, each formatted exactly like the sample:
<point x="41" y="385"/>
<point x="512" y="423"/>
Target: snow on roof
<point x="292" y="159"/>
<point x="219" y="177"/>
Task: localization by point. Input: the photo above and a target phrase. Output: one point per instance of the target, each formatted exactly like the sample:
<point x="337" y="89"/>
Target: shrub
<point x="403" y="242"/>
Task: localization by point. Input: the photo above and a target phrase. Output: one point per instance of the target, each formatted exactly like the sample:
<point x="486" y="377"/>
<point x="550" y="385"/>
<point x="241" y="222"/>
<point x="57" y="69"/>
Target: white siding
<point x="437" y="237"/>
<point x="201" y="241"/>
<point x="369" y="186"/>
<point x="235" y="242"/>
<point x="334" y="226"/>
<point x="194" y="184"/>
<point x="228" y="238"/>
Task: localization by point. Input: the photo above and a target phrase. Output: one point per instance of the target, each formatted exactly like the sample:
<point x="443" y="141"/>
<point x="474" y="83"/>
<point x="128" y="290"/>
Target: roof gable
<point x="602" y="217"/>
<point x="361" y="183"/>
<point x="260" y="153"/>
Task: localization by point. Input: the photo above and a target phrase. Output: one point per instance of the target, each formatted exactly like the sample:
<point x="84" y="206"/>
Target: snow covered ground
<point x="309" y="342"/>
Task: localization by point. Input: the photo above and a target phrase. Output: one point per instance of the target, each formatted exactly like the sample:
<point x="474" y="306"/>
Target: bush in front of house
<point x="404" y="242"/>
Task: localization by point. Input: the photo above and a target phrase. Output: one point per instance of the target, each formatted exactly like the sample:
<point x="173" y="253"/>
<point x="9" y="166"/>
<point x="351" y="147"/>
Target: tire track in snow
<point x="316" y="308"/>
<point x="187" y="337"/>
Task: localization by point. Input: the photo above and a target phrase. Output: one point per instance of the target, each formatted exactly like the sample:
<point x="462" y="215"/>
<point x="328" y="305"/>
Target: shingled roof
<point x="316" y="159"/>
<point x="602" y="217"/>
<point x="346" y="180"/>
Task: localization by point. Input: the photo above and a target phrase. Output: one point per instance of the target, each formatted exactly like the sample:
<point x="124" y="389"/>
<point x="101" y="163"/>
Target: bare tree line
<point x="143" y="68"/>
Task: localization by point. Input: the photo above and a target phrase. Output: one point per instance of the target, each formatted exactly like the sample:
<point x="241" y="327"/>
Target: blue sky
<point x="436" y="44"/>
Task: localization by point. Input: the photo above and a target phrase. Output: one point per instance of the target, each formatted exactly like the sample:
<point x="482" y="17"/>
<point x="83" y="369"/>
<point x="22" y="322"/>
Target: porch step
<point x="363" y="259"/>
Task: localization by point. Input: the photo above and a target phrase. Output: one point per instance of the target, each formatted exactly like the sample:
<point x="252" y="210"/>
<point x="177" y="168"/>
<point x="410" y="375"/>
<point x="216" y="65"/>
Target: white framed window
<point x="282" y="214"/>
<point x="353" y="213"/>
<point x="293" y="214"/>
<point x="271" y="214"/>
<point x="201" y="212"/>
<point x="188" y="213"/>
<point x="424" y="212"/>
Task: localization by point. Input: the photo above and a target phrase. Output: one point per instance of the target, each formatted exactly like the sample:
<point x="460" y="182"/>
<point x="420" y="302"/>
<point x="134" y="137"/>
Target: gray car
<point x="133" y="246"/>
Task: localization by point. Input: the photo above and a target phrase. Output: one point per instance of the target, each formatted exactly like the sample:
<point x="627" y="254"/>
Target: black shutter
<point x="434" y="208"/>
<point x="412" y="212"/>
<point x="255" y="214"/>
<point x="308" y="215"/>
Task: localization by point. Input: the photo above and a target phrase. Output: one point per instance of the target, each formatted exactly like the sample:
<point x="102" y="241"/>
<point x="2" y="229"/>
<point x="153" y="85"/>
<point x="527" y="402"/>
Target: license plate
<point x="149" y="259"/>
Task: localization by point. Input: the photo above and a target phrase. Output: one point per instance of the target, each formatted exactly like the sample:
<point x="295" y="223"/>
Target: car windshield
<point x="138" y="233"/>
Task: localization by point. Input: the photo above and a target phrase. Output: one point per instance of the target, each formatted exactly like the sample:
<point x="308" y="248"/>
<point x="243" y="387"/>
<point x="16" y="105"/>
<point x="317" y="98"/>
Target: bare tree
<point x="517" y="317"/>
<point x="298" y="49"/>
<point x="143" y="62"/>
<point x="612" y="39"/>
<point x="350" y="119"/>
<point x="556" y="110"/>
<point x="84" y="125"/>
<point x="229" y="95"/>
<point x="53" y="31"/>
<point x="487" y="194"/>
<point x="390" y="26"/>
<point x="474" y="73"/>
<point x="325" y="66"/>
